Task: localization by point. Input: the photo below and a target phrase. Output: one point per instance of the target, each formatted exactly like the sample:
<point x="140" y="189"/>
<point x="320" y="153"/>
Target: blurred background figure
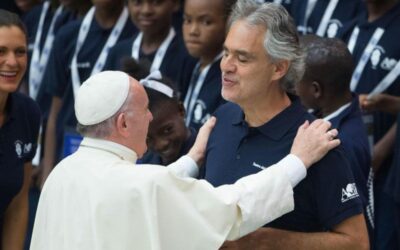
<point x="168" y="138"/>
<point x="19" y="128"/>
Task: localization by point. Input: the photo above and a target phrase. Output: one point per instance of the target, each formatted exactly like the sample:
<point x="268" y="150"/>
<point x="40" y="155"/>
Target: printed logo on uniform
<point x="376" y="56"/>
<point x="18" y="148"/>
<point x="388" y="63"/>
<point x="333" y="27"/>
<point x="27" y="148"/>
<point x="199" y="113"/>
<point x="350" y="192"/>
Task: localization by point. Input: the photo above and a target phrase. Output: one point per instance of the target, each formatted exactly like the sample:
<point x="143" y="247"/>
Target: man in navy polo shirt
<point x="258" y="66"/>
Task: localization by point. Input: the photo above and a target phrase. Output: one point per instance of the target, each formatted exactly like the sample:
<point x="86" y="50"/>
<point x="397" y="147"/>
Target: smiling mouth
<point x="8" y="74"/>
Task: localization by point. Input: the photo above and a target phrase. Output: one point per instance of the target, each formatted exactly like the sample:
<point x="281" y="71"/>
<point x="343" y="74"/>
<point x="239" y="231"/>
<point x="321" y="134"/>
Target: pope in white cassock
<point x="99" y="199"/>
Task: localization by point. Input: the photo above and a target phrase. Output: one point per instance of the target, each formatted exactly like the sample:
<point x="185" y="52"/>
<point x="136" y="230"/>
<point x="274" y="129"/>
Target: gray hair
<point x="103" y="129"/>
<point x="281" y="40"/>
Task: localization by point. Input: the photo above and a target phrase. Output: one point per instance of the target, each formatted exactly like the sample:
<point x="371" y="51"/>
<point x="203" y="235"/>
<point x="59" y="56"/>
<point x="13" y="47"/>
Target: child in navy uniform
<point x="80" y="50"/>
<point x="157" y="44"/>
<point x="370" y="38"/>
<point x="204" y="24"/>
<point x="325" y="88"/>
<point x="324" y="17"/>
<point x="168" y="138"/>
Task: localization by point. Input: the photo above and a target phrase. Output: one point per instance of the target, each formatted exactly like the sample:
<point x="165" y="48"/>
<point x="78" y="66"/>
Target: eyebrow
<point x="240" y="52"/>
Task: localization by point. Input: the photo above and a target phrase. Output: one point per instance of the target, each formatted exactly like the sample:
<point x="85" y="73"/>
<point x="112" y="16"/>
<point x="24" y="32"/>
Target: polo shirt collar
<point x="114" y="148"/>
<point x="280" y="124"/>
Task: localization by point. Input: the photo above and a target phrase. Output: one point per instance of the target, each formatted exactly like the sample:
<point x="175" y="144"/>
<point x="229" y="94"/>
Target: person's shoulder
<point x="70" y="29"/>
<point x="227" y="109"/>
<point x="27" y="103"/>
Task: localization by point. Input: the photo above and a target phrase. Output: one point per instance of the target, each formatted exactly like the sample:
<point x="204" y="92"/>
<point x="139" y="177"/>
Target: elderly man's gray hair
<point x="281" y="40"/>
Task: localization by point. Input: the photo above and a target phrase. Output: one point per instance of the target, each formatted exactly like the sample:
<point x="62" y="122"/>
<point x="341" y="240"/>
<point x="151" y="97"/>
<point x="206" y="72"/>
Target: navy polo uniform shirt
<point x="393" y="184"/>
<point x="354" y="139"/>
<point x="209" y="98"/>
<point x="31" y="21"/>
<point x="173" y="62"/>
<point x="326" y="197"/>
<point x="18" y="142"/>
<point x="151" y="157"/>
<point x="383" y="59"/>
<point x="58" y="74"/>
<point x="345" y="11"/>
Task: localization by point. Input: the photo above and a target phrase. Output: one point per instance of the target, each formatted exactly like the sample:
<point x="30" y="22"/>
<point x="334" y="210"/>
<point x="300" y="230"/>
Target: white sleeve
<point x="264" y="196"/>
<point x="184" y="167"/>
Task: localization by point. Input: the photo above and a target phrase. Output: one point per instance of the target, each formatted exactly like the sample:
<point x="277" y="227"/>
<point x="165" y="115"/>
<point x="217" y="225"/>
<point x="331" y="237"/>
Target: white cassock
<point x="98" y="199"/>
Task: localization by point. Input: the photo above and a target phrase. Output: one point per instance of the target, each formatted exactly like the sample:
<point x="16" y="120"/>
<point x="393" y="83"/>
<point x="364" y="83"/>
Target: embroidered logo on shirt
<point x="333" y="27"/>
<point x="258" y="166"/>
<point x="27" y="148"/>
<point x="388" y="63"/>
<point x="18" y="148"/>
<point x="199" y="113"/>
<point x="349" y="193"/>
<point x="376" y="56"/>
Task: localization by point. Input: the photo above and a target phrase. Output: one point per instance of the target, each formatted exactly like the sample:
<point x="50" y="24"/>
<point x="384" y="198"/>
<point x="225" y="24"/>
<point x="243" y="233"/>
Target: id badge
<point x="368" y="120"/>
<point x="72" y="140"/>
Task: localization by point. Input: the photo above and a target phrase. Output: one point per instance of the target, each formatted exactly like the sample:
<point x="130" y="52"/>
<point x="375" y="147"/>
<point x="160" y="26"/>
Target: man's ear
<point x="280" y="69"/>
<point x="316" y="89"/>
<point x="121" y="125"/>
<point x="181" y="110"/>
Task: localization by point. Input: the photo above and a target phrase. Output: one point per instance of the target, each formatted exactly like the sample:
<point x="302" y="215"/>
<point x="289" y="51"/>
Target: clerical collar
<point x="111" y="147"/>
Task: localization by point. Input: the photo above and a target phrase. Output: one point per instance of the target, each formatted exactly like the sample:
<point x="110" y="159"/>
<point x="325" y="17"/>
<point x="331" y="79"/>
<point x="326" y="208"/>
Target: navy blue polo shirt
<point x="326" y="197"/>
<point x="18" y="142"/>
<point x="345" y="10"/>
<point x="151" y="157"/>
<point x="392" y="186"/>
<point x="354" y="139"/>
<point x="209" y="98"/>
<point x="385" y="56"/>
<point x="32" y="22"/>
<point x="58" y="74"/>
<point x="173" y="62"/>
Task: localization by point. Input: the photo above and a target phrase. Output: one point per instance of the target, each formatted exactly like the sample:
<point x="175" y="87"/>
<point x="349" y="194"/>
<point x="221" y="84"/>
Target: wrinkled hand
<point x="313" y="141"/>
<point x="198" y="151"/>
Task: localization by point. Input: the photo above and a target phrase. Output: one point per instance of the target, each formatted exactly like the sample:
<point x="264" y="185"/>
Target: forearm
<point x="16" y="216"/>
<point x="269" y="238"/>
<point x="383" y="148"/>
<point x="14" y="226"/>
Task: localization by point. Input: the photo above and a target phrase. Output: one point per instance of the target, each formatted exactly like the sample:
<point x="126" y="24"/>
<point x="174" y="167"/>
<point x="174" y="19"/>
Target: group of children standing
<point x="70" y="40"/>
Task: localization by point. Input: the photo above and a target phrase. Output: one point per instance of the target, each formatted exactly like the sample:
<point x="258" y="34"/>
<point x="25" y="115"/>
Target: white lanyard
<point x="337" y="112"/>
<point x="353" y="39"/>
<point x="161" y="51"/>
<point x="194" y="91"/>
<point x="326" y="17"/>
<point x="365" y="56"/>
<point x="112" y="39"/>
<point x="387" y="81"/>
<point x="39" y="60"/>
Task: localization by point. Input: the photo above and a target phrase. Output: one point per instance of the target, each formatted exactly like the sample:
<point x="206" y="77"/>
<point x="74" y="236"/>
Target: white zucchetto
<point x="101" y="96"/>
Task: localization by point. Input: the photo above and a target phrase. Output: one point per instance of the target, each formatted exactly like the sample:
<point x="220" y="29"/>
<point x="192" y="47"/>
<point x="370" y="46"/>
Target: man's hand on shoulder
<point x="198" y="151"/>
<point x="313" y="141"/>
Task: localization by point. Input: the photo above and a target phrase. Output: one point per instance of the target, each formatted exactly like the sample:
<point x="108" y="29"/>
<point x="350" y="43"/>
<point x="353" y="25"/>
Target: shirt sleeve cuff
<point x="294" y="168"/>
<point x="185" y="167"/>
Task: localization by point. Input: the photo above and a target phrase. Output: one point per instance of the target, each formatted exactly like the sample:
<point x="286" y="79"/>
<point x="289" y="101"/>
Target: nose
<point x="227" y="65"/>
<point x="11" y="59"/>
<point x="194" y="29"/>
<point x="147" y="8"/>
<point x="160" y="144"/>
